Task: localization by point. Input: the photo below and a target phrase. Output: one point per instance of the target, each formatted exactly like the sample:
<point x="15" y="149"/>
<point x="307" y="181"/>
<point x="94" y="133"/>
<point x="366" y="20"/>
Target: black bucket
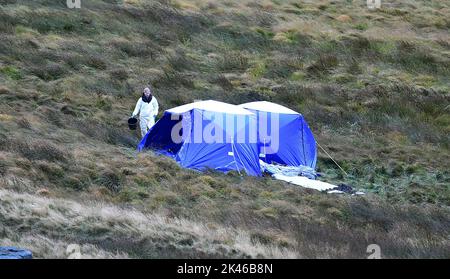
<point x="132" y="123"/>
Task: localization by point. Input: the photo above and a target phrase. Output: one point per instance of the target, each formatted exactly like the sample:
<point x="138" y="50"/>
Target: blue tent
<point x="296" y="145"/>
<point x="207" y="135"/>
<point x="10" y="253"/>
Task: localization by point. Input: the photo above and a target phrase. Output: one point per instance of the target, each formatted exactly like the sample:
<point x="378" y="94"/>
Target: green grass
<point x="362" y="26"/>
<point x="11" y="72"/>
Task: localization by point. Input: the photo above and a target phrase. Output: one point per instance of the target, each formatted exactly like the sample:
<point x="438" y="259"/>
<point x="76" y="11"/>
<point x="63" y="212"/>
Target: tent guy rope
<point x="331" y="158"/>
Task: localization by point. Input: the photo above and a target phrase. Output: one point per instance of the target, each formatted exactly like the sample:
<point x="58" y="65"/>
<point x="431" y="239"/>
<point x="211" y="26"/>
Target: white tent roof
<point x="211" y="105"/>
<point x="268" y="107"/>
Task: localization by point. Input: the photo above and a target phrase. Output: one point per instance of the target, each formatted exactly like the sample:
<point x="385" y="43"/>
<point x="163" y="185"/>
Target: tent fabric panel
<point x="159" y="136"/>
<point x="297" y="146"/>
<point x="246" y="156"/>
<point x="309" y="146"/>
<point x="200" y="155"/>
<point x="223" y="157"/>
<point x="289" y="140"/>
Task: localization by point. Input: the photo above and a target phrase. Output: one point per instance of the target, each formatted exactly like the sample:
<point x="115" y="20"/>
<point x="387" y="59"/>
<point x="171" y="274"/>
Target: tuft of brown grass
<point x="101" y="230"/>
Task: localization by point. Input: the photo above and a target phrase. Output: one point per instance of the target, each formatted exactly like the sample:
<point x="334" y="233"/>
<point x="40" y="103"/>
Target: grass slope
<point x="373" y="85"/>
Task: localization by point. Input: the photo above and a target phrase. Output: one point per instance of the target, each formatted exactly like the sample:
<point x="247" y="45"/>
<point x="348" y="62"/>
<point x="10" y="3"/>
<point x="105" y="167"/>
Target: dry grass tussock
<point x="107" y="231"/>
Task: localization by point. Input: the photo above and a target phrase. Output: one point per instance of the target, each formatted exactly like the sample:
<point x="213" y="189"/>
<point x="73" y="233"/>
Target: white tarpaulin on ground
<point x="305" y="182"/>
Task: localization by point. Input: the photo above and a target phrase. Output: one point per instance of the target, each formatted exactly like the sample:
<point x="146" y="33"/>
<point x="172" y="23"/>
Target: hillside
<point x="372" y="84"/>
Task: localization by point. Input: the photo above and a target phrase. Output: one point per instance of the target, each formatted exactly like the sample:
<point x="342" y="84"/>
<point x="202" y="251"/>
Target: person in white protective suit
<point x="147" y="108"/>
